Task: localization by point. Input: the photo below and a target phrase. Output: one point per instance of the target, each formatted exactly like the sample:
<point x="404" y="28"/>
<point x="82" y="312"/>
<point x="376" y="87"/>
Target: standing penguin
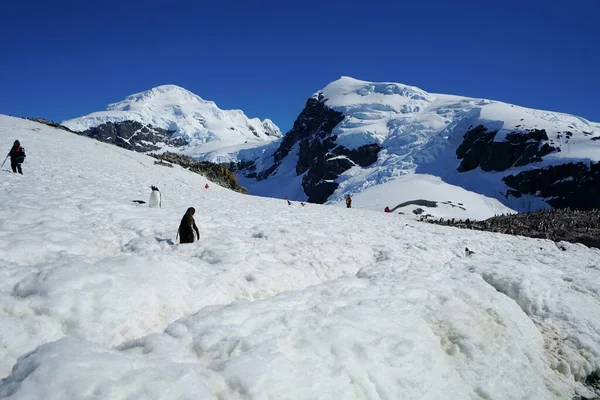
<point x="155" y="198"/>
<point x="187" y="227"/>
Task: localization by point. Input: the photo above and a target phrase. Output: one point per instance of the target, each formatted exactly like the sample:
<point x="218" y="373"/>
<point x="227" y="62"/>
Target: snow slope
<point x="274" y="301"/>
<point x="452" y="201"/>
<point x="213" y="134"/>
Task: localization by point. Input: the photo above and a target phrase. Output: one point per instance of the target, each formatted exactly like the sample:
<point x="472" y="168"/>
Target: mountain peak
<point x="348" y="91"/>
<point x="200" y="123"/>
<point x="163" y="93"/>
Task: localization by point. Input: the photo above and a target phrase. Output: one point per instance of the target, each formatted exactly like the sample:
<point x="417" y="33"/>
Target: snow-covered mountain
<point x="172" y="118"/>
<point x="354" y="134"/>
<point x="97" y="299"/>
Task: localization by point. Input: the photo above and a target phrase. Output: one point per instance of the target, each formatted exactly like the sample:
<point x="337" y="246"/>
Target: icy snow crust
<point x="420" y="132"/>
<point x="214" y="134"/>
<point x="275" y="301"/>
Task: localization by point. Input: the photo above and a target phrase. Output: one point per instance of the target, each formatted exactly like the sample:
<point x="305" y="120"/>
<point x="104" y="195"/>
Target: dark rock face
<point x="133" y="135"/>
<point x="319" y="156"/>
<point x="214" y="172"/>
<point x="479" y="149"/>
<point x="593" y="382"/>
<point x="573" y="185"/>
<point x="239" y="166"/>
<point x="558" y="225"/>
<point x="316" y="121"/>
<point x="419" y="202"/>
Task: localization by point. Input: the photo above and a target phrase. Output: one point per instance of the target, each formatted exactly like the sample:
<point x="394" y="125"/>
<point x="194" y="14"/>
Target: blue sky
<point x="63" y="59"/>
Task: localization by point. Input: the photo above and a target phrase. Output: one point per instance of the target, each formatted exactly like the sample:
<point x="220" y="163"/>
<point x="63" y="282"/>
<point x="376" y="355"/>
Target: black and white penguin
<point x="155" y="198"/>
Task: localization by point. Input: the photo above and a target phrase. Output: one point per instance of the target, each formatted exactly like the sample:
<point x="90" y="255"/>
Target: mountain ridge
<point x="183" y="122"/>
<point x="414" y="130"/>
<point x="354" y="134"/>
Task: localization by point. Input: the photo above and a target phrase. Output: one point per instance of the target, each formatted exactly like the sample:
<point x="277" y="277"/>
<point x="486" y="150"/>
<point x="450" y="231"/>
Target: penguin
<point x="155" y="198"/>
<point x="187" y="227"/>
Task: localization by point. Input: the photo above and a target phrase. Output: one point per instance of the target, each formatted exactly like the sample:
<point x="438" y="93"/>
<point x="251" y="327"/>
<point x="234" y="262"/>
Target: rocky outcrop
<point x="418" y="202"/>
<point x="573" y="185"/>
<point x="50" y="123"/>
<point x="134" y="135"/>
<point x="319" y="157"/>
<point x="480" y="149"/>
<point x="235" y="166"/>
<point x="557" y="225"/>
<point x="214" y="172"/>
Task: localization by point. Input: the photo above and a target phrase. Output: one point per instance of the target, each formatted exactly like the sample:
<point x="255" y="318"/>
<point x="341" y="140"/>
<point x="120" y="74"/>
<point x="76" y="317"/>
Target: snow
<point x="400" y="116"/>
<point x="452" y="201"/>
<point x="214" y="134"/>
<point x="274" y="301"/>
<point x="283" y="183"/>
<point x="420" y="132"/>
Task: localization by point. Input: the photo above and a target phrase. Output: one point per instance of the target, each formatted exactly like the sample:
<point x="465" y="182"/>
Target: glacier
<point x="419" y="133"/>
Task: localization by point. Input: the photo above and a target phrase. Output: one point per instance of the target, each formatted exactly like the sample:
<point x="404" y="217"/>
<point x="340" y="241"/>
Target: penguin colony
<point x="575" y="226"/>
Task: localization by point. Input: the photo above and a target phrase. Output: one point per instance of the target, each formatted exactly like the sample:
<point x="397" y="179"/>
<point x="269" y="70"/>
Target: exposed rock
<point x="239" y="165"/>
<point x="575" y="226"/>
<point x="316" y="121"/>
<point x="50" y="123"/>
<point x="420" y="202"/>
<point x="574" y="185"/>
<point x="479" y="149"/>
<point x="319" y="157"/>
<point x="216" y="173"/>
<point x="134" y="135"/>
<point x="593" y="382"/>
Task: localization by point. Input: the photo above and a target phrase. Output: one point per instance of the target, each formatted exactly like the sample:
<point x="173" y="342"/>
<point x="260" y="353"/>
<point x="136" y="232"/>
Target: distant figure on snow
<point x="155" y="198"/>
<point x="468" y="252"/>
<point x="187" y="227"/>
<point x="387" y="209"/>
<point x="348" y="201"/>
<point x="17" y="156"/>
<point x="288" y="201"/>
<point x="206" y="186"/>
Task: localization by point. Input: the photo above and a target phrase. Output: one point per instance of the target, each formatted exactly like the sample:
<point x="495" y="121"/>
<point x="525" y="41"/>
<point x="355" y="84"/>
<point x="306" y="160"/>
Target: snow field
<point x="275" y="301"/>
<point x="452" y="201"/>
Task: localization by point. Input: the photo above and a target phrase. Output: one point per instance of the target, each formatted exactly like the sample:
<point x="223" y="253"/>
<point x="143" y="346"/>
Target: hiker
<point x="187" y="227"/>
<point x="17" y="156"/>
<point x="387" y="209"/>
<point x="348" y="201"/>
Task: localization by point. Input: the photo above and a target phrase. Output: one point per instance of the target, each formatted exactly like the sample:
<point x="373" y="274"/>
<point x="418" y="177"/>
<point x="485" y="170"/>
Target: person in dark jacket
<point x="17" y="156"/>
<point x="348" y="201"/>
